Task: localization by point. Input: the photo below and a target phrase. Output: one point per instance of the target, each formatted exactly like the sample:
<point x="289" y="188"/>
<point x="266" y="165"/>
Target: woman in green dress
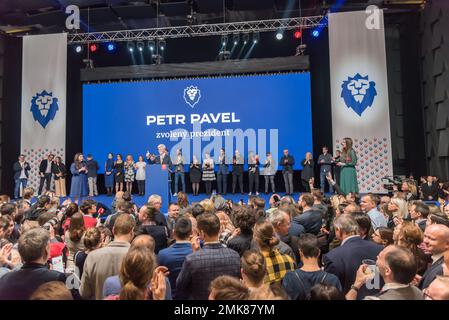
<point x="348" y="173"/>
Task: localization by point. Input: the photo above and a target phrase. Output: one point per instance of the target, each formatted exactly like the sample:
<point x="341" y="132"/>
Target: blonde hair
<point x="402" y="207"/>
<point x="264" y="235"/>
<point x="208" y="205"/>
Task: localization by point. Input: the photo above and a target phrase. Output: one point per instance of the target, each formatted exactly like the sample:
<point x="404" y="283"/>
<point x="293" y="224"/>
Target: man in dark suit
<point x="45" y="173"/>
<point x="430" y="189"/>
<point x="287" y="162"/>
<point x="436" y="240"/>
<point x="311" y="218"/>
<point x="205" y="264"/>
<point x="162" y="158"/>
<point x="21" y="174"/>
<point x="222" y="173"/>
<point x="345" y="260"/>
<point x="419" y="212"/>
<point x="34" y="250"/>
<point x="237" y="171"/>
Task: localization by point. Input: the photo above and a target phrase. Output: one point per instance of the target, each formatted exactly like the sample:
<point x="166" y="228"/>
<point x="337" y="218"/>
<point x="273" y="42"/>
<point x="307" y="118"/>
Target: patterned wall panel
<point x="435" y="64"/>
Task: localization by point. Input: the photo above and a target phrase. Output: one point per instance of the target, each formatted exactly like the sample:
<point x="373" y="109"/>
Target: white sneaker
<point x="175" y="194"/>
<point x="257" y="193"/>
<point x="250" y="193"/>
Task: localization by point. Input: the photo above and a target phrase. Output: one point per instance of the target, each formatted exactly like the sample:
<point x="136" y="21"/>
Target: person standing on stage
<point x="78" y="188"/>
<point x="119" y="169"/>
<point x="140" y="167"/>
<point x="307" y="171"/>
<point x="253" y="173"/>
<point x="45" y="173"/>
<point x="287" y="162"/>
<point x="269" y="172"/>
<point x="337" y="170"/>
<point x="92" y="169"/>
<point x="179" y="172"/>
<point x="222" y="174"/>
<point x="129" y="173"/>
<point x="109" y="174"/>
<point x="21" y="173"/>
<point x="162" y="158"/>
<point x="59" y="173"/>
<point x="348" y="173"/>
<point x="237" y="171"/>
<point x="325" y="162"/>
<point x="208" y="173"/>
<point x="195" y="175"/>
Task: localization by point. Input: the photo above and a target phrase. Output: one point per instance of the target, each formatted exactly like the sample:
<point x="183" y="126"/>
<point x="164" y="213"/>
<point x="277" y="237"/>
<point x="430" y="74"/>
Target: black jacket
<point x="18" y="169"/>
<point x="431" y="190"/>
<point x="287" y="167"/>
<point x="436" y="269"/>
<point x="311" y="220"/>
<point x="55" y="168"/>
<point x="20" y="284"/>
<point x="43" y="166"/>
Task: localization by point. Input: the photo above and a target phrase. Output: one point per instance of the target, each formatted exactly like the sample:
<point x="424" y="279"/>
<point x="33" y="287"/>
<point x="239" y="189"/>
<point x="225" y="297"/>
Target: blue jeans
<point x="19" y="182"/>
<point x="323" y="182"/>
<point x="183" y="181"/>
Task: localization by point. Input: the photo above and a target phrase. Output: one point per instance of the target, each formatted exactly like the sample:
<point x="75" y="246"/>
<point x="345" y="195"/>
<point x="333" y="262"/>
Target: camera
<point x="389" y="182"/>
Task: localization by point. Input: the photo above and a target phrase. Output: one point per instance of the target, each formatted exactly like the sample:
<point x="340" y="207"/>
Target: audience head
<point x="322" y="291"/>
<point x="155" y="201"/>
<point x="264" y="235"/>
<point x="383" y="236"/>
<point x="436" y="239"/>
<point x="352" y="208"/>
<point x="92" y="239"/>
<point x="147" y="214"/>
<point x="197" y="210"/>
<point x="364" y="222"/>
<point x="228" y="288"/>
<point x="34" y="246"/>
<point x="71" y="209"/>
<point x="280" y="221"/>
<point x="208" y="226"/>
<point x="136" y="272"/>
<point x="398" y="207"/>
<point x="408" y="235"/>
<point x="53" y="290"/>
<point x="76" y="228"/>
<point x="28" y="193"/>
<point x="397" y="264"/>
<point x="345" y="226"/>
<point x="244" y="218"/>
<point x="418" y="210"/>
<point x="88" y="207"/>
<point x="309" y="247"/>
<point x="124" y="227"/>
<point x="438" y="289"/>
<point x="183" y="200"/>
<point x="183" y="229"/>
<point x="253" y="268"/>
<point x="306" y="200"/>
<point x="144" y="241"/>
<point x="368" y="202"/>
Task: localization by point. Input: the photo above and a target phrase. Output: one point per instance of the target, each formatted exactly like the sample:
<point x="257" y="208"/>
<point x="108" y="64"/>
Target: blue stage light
<point x="111" y="47"/>
<point x="316" y="33"/>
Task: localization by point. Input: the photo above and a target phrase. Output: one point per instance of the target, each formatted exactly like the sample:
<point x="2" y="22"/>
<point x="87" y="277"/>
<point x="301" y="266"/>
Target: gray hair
<point x="33" y="243"/>
<point x="347" y="223"/>
<point x="154" y="197"/>
<point x="277" y="217"/>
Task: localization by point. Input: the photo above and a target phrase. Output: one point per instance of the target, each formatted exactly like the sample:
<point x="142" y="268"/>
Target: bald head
<point x="436" y="238"/>
<point x="438" y="289"/>
<point x="144" y="241"/>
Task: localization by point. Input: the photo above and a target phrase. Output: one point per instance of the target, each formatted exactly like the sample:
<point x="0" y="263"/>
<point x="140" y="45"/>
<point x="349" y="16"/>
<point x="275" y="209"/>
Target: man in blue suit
<point x="222" y="173"/>
<point x="311" y="218"/>
<point x="345" y="260"/>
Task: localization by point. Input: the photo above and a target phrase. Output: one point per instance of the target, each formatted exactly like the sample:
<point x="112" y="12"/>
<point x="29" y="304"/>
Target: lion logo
<point x="44" y="107"/>
<point x="358" y="93"/>
<point x="192" y="95"/>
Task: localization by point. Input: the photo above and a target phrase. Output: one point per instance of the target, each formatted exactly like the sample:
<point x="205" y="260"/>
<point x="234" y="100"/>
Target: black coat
<point x="307" y="171"/>
<point x="43" y="166"/>
<point x="55" y="168"/>
<point x="436" y="269"/>
<point x="18" y="169"/>
<point x="431" y="190"/>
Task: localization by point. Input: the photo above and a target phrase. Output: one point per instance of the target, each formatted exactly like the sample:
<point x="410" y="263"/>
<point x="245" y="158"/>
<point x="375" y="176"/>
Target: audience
<point x="228" y="288"/>
<point x="383" y="236"/>
<point x="53" y="290"/>
<point x="244" y="221"/>
<point x="368" y="205"/>
<point x="148" y="225"/>
<point x="311" y="218"/>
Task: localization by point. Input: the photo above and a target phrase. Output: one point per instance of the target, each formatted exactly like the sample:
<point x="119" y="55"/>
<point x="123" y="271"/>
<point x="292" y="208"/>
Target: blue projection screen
<point x="257" y="113"/>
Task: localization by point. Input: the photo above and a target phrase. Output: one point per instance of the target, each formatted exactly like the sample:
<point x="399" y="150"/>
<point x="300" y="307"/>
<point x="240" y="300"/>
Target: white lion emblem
<point x="192" y="95"/>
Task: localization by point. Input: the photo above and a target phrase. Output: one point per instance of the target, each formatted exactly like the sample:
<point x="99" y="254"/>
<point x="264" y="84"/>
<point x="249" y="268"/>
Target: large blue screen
<point x="257" y="113"/>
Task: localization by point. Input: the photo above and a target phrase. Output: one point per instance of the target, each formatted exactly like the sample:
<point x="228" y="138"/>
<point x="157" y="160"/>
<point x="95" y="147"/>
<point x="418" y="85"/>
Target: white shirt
<point x="22" y="172"/>
<point x="140" y="174"/>
<point x="48" y="170"/>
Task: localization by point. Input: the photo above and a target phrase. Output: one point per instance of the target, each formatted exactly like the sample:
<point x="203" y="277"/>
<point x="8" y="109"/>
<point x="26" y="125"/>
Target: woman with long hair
<point x="208" y="172"/>
<point x="59" y="173"/>
<point x="119" y="169"/>
<point x="183" y="200"/>
<point x="109" y="174"/>
<point x="348" y="173"/>
<point x="195" y="175"/>
<point x="78" y="188"/>
<point x="129" y="173"/>
<point x="74" y="239"/>
<point x="266" y="239"/>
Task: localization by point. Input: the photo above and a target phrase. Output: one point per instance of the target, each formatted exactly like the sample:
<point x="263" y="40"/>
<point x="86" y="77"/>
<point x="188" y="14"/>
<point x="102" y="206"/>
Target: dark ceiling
<point x="48" y="16"/>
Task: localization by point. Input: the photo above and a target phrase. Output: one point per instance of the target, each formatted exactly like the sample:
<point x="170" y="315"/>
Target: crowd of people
<point x="313" y="247"/>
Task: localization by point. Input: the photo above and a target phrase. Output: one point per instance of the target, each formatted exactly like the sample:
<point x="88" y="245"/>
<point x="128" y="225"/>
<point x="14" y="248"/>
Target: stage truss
<point x="202" y="30"/>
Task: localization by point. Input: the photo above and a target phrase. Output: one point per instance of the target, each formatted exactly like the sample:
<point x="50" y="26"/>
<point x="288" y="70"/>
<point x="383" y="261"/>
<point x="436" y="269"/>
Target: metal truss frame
<point x="199" y="30"/>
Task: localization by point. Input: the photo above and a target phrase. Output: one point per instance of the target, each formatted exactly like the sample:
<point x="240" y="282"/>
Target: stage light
<point x="297" y="34"/>
<point x="162" y="44"/>
<point x="316" y="33"/>
<point x="78" y="48"/>
<point x="151" y="45"/>
<point x="256" y="37"/>
<point x="236" y="38"/>
<point x="140" y="45"/>
<point x="224" y="40"/>
<point x="93" y="47"/>
<point x="131" y="46"/>
<point x="245" y="38"/>
<point x="279" y="35"/>
<point x="111" y="47"/>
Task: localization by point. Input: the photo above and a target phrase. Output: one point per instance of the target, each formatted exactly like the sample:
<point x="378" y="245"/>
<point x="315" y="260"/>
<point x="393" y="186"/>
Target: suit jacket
<point x="344" y="261"/>
<point x="166" y="160"/>
<point x="289" y="166"/>
<point x="18" y="169"/>
<point x="203" y="266"/>
<point x="431" y="190"/>
<point x="43" y="166"/>
<point x="223" y="167"/>
<point x="58" y="169"/>
<point x="99" y="265"/>
<point x="311" y="220"/>
<point x="20" y="284"/>
<point x="434" y="270"/>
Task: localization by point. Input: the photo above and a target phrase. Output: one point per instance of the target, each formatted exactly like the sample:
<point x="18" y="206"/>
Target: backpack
<point x="305" y="286"/>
